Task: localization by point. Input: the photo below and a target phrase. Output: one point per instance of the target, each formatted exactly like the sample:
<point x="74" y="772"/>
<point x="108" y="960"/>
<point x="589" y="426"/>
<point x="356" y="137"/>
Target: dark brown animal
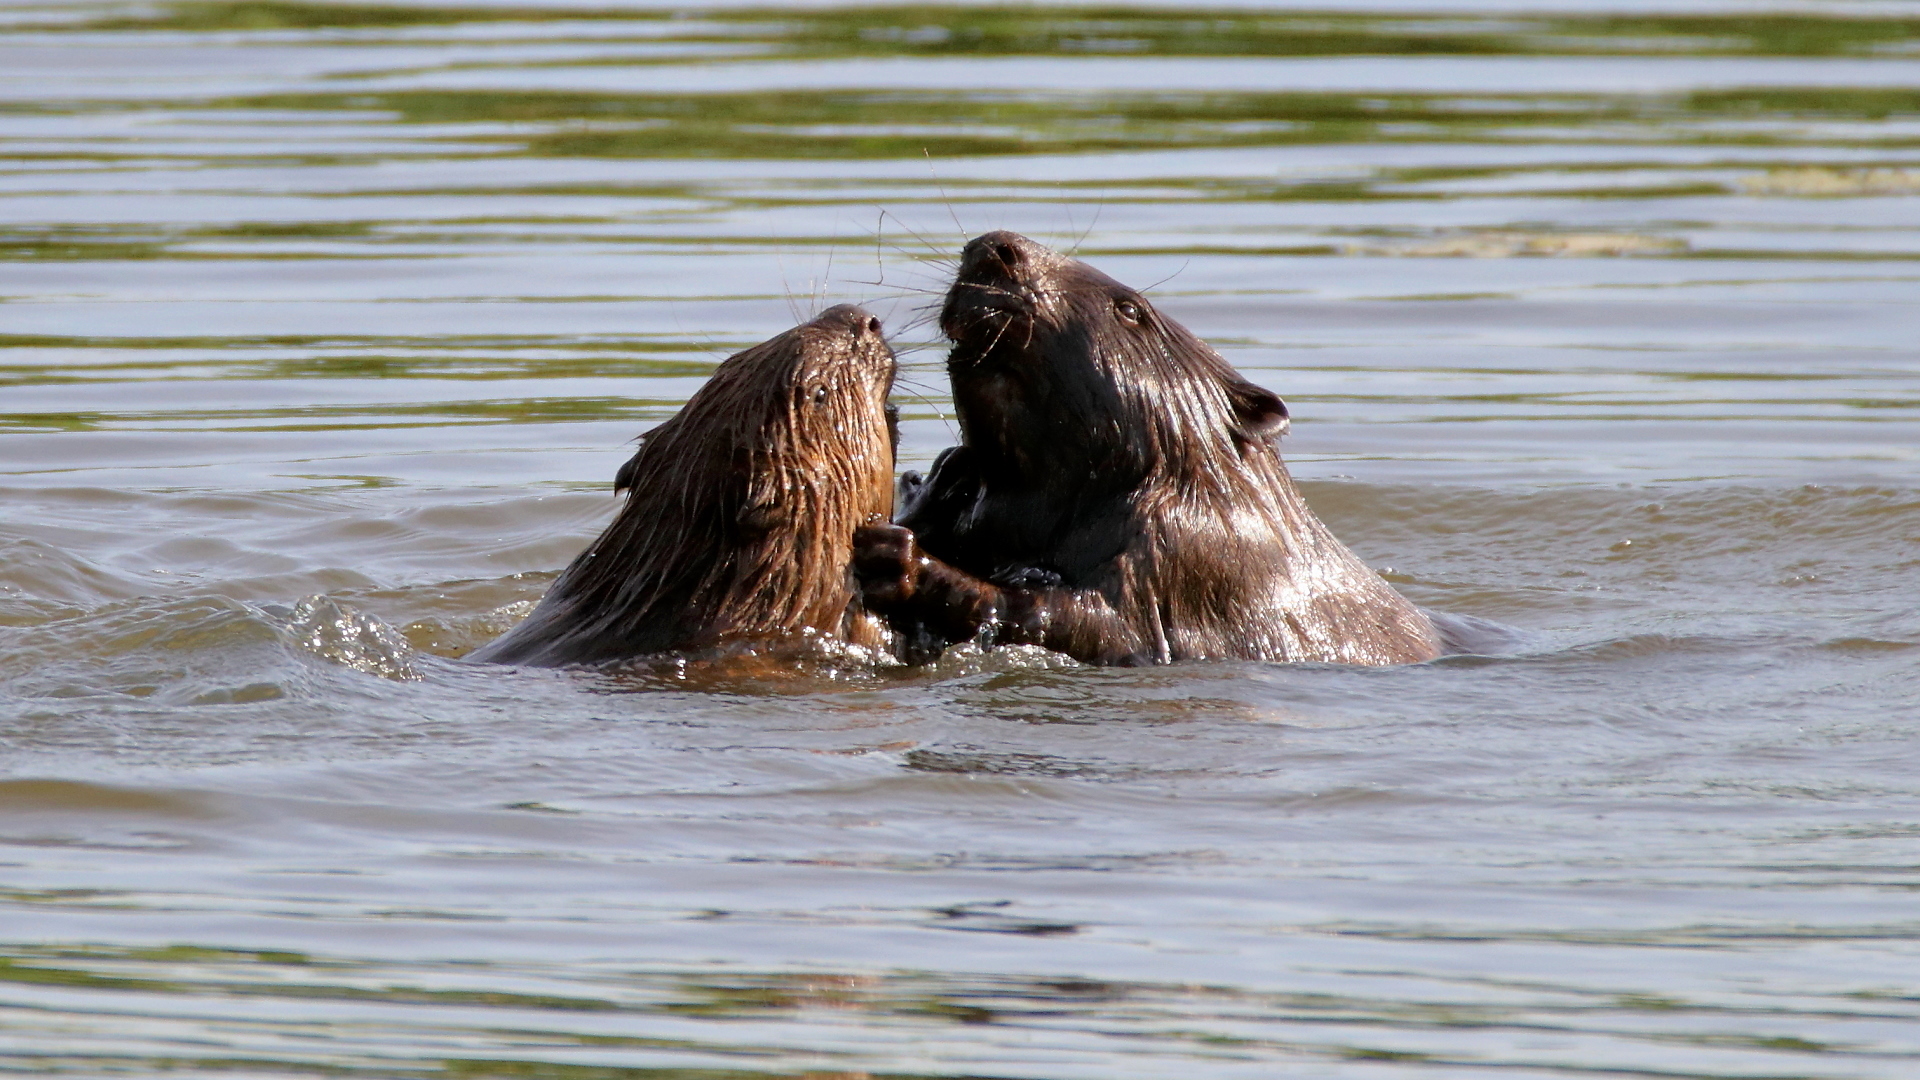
<point x="739" y="523"/>
<point x="1118" y="494"/>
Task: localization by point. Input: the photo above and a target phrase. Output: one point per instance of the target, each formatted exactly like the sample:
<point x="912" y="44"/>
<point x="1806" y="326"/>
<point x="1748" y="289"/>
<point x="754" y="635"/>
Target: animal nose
<point x="1006" y="254"/>
<point x="873" y="327"/>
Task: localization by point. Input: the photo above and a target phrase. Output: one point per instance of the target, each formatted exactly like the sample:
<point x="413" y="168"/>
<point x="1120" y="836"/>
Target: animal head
<point x="742" y="506"/>
<point x="1059" y="369"/>
<point x="795" y="425"/>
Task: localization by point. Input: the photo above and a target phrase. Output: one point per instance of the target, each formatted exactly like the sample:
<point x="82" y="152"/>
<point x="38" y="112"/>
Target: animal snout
<point x="1006" y="252"/>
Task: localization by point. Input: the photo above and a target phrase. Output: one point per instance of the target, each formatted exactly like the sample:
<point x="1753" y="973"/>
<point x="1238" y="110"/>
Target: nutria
<point x="1117" y="494"/>
<point x="739" y="521"/>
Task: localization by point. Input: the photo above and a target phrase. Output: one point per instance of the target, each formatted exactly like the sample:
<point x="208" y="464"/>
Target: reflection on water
<point x="529" y="1020"/>
<point x="323" y="327"/>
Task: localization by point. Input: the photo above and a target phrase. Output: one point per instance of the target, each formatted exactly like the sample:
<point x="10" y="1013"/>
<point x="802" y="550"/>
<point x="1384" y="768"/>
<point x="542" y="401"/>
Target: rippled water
<point x="325" y="327"/>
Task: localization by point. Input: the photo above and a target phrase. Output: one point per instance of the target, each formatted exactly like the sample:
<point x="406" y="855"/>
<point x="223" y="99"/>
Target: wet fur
<point x="742" y="507"/>
<point x="1118" y="494"/>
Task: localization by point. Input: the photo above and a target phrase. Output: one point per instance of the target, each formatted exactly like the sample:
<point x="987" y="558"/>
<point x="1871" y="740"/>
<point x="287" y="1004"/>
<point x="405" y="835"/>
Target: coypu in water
<point x="739" y="521"/>
<point x="1117" y="495"/>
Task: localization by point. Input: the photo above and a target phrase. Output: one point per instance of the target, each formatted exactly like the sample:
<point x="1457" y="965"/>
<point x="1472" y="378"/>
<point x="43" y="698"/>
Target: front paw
<point x="887" y="564"/>
<point x="1031" y="578"/>
<point x="907" y="491"/>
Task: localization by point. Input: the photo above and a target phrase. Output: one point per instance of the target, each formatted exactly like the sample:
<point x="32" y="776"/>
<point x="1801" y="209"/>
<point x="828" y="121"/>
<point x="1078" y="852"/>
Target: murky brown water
<point x="323" y="329"/>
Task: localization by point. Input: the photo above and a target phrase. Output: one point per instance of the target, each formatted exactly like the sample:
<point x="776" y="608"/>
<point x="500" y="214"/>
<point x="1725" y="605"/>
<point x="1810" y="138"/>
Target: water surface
<point x="324" y="327"/>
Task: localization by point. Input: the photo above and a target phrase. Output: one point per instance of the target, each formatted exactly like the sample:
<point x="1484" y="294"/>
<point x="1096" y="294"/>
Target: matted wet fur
<point x="739" y="523"/>
<point x="1118" y="494"/>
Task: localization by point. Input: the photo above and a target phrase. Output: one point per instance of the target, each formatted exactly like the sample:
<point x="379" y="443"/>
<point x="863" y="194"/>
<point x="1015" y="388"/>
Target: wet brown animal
<point x="1118" y="494"/>
<point x="739" y="523"/>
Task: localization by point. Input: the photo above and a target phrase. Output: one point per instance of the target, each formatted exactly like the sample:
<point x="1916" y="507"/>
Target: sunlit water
<point x="325" y="329"/>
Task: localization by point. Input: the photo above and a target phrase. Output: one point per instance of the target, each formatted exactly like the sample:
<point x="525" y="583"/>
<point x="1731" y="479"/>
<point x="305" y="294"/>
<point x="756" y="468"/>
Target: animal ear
<point x="629" y="474"/>
<point x="623" y="480"/>
<point x="1259" y="413"/>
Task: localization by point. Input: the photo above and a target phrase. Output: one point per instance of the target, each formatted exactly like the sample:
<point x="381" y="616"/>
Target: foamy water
<point x="326" y="328"/>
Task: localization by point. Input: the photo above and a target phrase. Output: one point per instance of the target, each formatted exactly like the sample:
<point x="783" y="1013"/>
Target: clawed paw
<point x="886" y="563"/>
<point x="909" y="492"/>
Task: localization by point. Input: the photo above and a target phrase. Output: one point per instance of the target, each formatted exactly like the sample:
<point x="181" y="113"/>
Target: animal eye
<point x="1129" y="311"/>
<point x="819" y="394"/>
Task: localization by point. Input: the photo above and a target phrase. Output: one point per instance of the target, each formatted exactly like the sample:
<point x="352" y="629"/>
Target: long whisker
<point x="1169" y="277"/>
<point x="905" y="376"/>
<point x="929" y="252"/>
<point x="916" y="258"/>
<point x="826" y="276"/>
<point x="996" y="290"/>
<point x="1098" y="209"/>
<point x="929" y="245"/>
<point x="905" y="290"/>
<point x="922" y="395"/>
<point x="933" y="403"/>
<point x="927" y="317"/>
<point x="945" y="197"/>
<point x="1002" y="332"/>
